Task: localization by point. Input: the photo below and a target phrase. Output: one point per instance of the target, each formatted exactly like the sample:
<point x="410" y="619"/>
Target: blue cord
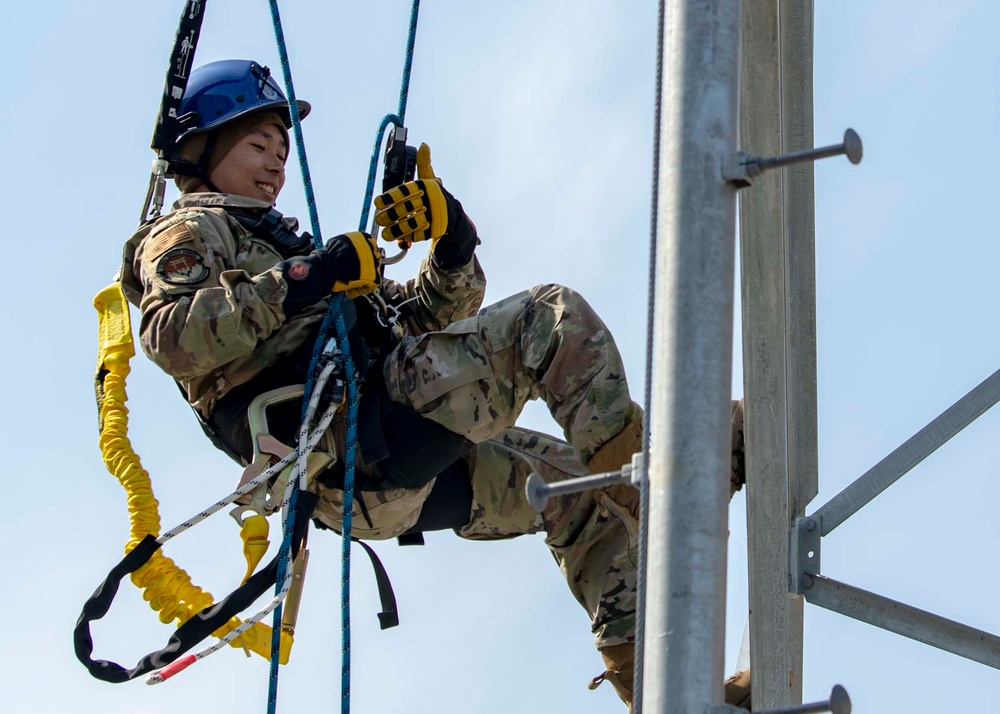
<point x="397" y="118"/>
<point x="346" y="525"/>
<point x="411" y="38"/>
<point x="293" y="107"/>
<point x="373" y="166"/>
<point x="335" y="314"/>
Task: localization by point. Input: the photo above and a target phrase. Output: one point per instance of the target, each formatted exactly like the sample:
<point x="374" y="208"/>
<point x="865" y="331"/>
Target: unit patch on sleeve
<point x="182" y="266"/>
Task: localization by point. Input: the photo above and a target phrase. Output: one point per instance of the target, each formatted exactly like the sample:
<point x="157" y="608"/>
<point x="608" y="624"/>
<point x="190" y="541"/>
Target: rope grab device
<point x="277" y="477"/>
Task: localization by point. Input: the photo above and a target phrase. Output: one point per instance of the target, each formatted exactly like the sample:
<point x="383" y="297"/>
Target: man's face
<point x="255" y="166"/>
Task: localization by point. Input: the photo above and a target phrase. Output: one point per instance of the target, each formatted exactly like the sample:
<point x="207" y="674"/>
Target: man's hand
<point x="417" y="210"/>
<point x="350" y="263"/>
<point x="358" y="263"/>
<point x="423" y="209"/>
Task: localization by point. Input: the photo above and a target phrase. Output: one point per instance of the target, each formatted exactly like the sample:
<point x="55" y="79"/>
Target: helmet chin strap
<point x="206" y="154"/>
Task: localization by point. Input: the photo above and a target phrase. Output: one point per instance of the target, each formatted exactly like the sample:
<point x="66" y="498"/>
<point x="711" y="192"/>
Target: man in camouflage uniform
<point x="229" y="309"/>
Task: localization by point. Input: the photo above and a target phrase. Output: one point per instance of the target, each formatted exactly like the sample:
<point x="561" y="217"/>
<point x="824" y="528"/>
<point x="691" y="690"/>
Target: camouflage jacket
<point x="210" y="295"/>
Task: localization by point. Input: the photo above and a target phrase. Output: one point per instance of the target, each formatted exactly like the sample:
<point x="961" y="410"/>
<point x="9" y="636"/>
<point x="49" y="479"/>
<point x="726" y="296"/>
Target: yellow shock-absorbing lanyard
<point x="166" y="587"/>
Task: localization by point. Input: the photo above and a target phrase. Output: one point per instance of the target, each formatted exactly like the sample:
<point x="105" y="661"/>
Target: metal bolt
<point x="840" y="702"/>
<point x="537" y="492"/>
<point x="811" y="524"/>
<point x="807" y="581"/>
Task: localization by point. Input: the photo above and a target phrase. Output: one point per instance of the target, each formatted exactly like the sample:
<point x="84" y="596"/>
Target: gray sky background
<point x="539" y="115"/>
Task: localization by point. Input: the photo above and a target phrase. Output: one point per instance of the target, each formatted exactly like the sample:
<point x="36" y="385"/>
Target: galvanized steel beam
<point x="689" y="454"/>
<point x="779" y="332"/>
<point x="905" y="620"/>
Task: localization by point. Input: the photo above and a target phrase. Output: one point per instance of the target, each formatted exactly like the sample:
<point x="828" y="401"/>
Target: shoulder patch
<point x="158" y="243"/>
<point x="182" y="266"/>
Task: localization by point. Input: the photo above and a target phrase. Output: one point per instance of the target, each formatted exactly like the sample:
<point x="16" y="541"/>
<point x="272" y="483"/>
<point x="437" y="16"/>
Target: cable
<point x="373" y="165"/>
<point x="640" y="585"/>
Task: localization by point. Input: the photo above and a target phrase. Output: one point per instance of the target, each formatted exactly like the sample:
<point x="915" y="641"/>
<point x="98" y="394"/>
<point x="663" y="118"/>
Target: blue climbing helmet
<point x="220" y="92"/>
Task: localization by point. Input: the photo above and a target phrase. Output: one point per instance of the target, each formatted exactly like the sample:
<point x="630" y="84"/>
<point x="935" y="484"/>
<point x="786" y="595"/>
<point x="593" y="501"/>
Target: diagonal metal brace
<point x="914" y="450"/>
<point x="905" y="620"/>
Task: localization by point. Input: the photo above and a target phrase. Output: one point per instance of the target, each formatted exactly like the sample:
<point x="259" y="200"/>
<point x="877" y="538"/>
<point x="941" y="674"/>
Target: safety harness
<point x="265" y="488"/>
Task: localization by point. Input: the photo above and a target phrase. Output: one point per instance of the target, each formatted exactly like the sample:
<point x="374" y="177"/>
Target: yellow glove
<point x="424" y="168"/>
<point x="417" y="210"/>
<point x="369" y="263"/>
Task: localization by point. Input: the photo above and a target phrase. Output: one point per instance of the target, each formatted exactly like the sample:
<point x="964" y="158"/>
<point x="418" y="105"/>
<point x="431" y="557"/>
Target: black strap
<point x="389" y="617"/>
<point x="271" y="227"/>
<point x="168" y="123"/>
<point x="195" y="629"/>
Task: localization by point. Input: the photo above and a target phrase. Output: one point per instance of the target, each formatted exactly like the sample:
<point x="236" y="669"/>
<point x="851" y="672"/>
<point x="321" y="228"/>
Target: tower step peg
<point x="742" y="168"/>
<point x="538" y="492"/>
<point x="838" y="703"/>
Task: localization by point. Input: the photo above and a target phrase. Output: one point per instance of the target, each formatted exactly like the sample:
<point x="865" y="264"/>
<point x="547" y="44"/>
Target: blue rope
<point x="373" y="166"/>
<point x="293" y="107"/>
<point x="396" y="119"/>
<point x="346" y="525"/>
<point x="345" y="602"/>
<point x="411" y="39"/>
<point x="334" y="314"/>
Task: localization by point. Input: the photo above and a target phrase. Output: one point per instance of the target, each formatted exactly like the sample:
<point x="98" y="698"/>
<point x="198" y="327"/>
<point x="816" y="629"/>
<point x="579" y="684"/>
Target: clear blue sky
<point x="539" y="115"/>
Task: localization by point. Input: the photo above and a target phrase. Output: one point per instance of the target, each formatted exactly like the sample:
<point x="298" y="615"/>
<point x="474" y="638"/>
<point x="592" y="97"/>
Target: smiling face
<point x="255" y="166"/>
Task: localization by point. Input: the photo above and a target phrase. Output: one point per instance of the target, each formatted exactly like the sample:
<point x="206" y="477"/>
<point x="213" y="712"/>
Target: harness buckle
<point x="266" y="451"/>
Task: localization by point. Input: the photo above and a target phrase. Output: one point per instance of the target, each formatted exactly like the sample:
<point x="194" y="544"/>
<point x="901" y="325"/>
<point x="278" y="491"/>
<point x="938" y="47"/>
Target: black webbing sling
<point x="168" y="123"/>
<point x="194" y="630"/>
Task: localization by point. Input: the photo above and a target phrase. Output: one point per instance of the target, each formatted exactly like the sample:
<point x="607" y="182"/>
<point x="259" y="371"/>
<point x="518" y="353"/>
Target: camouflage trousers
<point x="475" y="377"/>
<point x="592" y="535"/>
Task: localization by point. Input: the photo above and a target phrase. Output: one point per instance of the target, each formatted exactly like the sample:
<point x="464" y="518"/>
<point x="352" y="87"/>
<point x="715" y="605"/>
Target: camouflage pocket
<point x="448" y="377"/>
<point x="621" y="502"/>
